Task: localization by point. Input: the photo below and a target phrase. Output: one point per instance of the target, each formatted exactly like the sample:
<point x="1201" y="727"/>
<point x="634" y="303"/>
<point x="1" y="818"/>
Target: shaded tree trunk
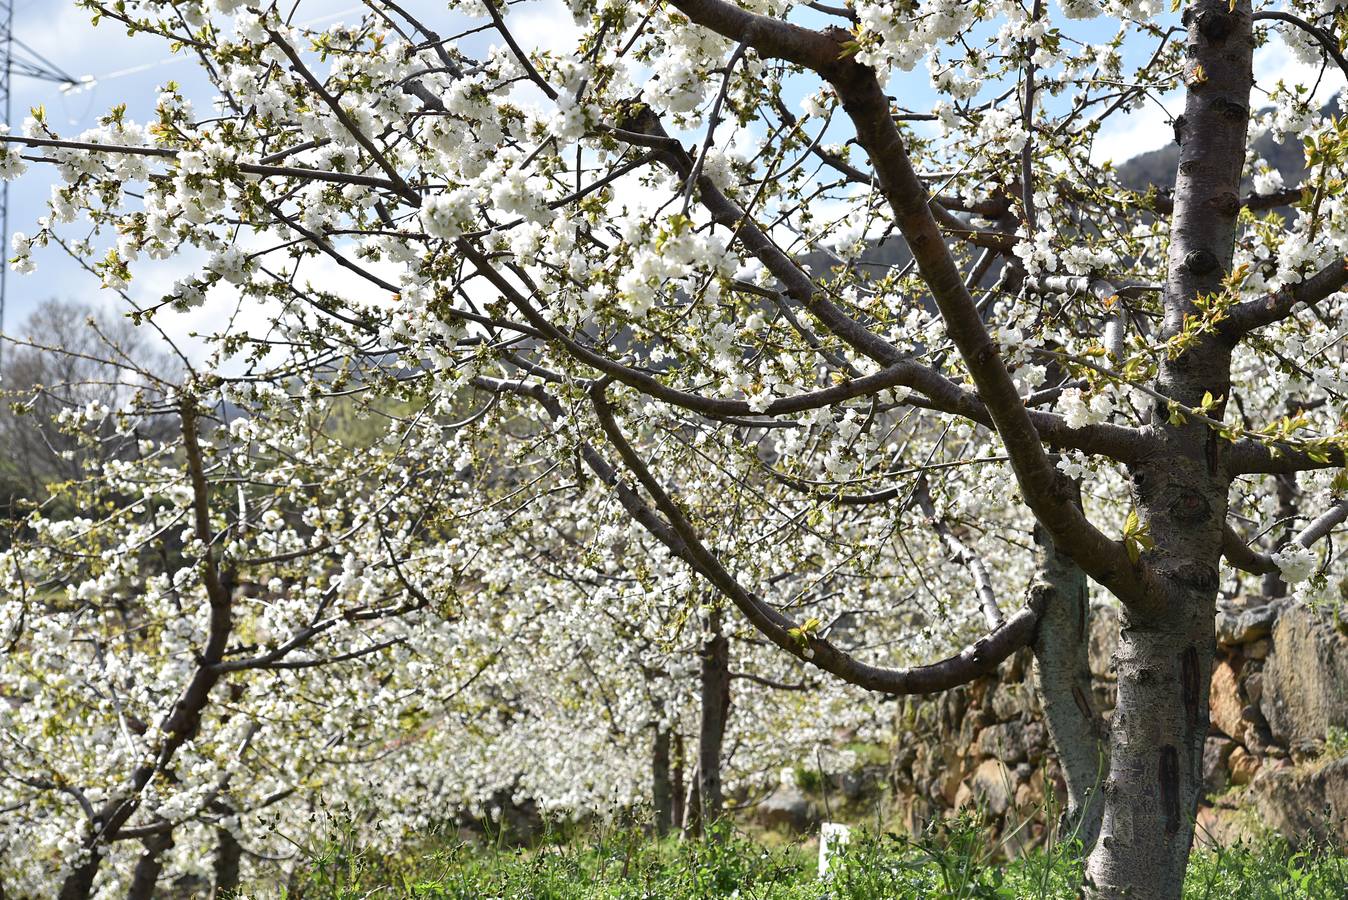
<point x="149" y="866"/>
<point x="1166" y="644"/>
<point x="662" y="790"/>
<point x="228" y="854"/>
<point x="679" y="807"/>
<point x="715" y="714"/>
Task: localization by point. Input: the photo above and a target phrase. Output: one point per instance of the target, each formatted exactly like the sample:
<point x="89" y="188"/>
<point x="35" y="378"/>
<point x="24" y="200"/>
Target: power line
<point x="18" y="58"/>
<point x="21" y="59"/>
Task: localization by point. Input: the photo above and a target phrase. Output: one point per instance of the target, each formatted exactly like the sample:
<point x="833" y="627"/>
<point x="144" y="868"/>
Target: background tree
<point x="69" y="356"/>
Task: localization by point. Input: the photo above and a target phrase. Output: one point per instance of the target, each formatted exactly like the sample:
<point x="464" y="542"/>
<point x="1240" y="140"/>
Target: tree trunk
<point x="148" y="867"/>
<point x="80" y="883"/>
<point x="1156" y="753"/>
<point x="1166" y="645"/>
<point x="692" y="806"/>
<point x="1063" y="671"/>
<point x="715" y="713"/>
<point x="662" y="791"/>
<point x="679" y="810"/>
<point x="228" y="854"/>
<point x="183" y="720"/>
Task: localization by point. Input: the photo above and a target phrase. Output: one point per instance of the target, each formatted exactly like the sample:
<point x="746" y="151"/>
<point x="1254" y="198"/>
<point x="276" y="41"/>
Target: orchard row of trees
<point x="639" y="414"/>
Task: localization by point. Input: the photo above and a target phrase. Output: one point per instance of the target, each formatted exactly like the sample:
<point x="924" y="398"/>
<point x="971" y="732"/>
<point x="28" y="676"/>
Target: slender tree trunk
<point x="715" y="713"/>
<point x="1166" y="645"/>
<point x="1062" y="668"/>
<point x="662" y="792"/>
<point x="679" y="809"/>
<point x="148" y="867"/>
<point x="692" y="806"/>
<point x="183" y="721"/>
<point x="228" y="855"/>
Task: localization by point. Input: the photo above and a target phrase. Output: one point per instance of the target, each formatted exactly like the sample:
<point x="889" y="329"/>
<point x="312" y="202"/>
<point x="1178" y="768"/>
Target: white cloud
<point x="548" y="26"/>
<point x="1139" y="131"/>
<point x="1276" y="62"/>
<point x="1150" y="127"/>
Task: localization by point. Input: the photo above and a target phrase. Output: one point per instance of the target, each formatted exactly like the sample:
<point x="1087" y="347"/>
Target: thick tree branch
<point x="1252" y="314"/>
<point x="868" y="106"/>
<point x="978" y="659"/>
<point x="1244" y="557"/>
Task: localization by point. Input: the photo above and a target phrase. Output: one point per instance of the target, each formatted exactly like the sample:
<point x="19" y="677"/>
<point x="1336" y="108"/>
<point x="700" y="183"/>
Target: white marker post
<point x="831" y="834"/>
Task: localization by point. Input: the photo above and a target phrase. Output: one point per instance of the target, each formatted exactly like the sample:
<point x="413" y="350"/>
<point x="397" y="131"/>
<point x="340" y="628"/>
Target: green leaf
<point x="1132" y="525"/>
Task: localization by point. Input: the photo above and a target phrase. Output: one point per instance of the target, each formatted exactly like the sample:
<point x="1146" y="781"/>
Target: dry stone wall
<point x="1276" y="756"/>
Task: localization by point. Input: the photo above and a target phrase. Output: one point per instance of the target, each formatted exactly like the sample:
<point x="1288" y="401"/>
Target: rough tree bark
<point x="1166" y="645"/>
<point x="148" y="867"/>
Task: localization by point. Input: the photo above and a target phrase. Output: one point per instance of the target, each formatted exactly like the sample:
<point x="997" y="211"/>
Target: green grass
<point x="627" y="864"/>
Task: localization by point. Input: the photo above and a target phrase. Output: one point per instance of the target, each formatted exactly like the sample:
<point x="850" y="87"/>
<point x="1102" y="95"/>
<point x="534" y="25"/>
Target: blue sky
<point x="131" y="69"/>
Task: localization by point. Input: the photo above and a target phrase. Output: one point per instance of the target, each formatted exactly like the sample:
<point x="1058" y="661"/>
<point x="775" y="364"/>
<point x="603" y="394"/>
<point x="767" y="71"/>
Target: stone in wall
<point x="1279" y="683"/>
<point x="1304" y="690"/>
<point x="1304" y="801"/>
<point x="1226" y="701"/>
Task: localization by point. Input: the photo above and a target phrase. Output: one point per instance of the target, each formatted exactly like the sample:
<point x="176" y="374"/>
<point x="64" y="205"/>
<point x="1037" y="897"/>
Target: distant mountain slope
<point x="1158" y="166"/>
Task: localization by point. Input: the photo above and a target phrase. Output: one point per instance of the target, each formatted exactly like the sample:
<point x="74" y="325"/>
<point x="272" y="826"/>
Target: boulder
<point x="1005" y="741"/>
<point x="1216" y="751"/>
<point x="1009" y="701"/>
<point x="1223" y="826"/>
<point x="970" y="727"/>
<point x="788" y="809"/>
<point x="948" y="778"/>
<point x="991" y="787"/>
<point x="1254" y="687"/>
<point x="1305" y="802"/>
<point x="1243" y="626"/>
<point x="1036" y="740"/>
<point x="1225" y="701"/>
<point x="1305" y="679"/>
<point x="1243" y="766"/>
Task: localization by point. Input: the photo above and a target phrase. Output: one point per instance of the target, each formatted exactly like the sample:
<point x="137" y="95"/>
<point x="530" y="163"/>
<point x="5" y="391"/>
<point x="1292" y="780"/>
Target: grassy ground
<point x="603" y="864"/>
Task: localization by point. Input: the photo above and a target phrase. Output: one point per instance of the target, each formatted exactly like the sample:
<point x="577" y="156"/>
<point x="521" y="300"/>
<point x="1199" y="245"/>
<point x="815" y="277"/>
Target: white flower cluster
<point x="1295" y="563"/>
